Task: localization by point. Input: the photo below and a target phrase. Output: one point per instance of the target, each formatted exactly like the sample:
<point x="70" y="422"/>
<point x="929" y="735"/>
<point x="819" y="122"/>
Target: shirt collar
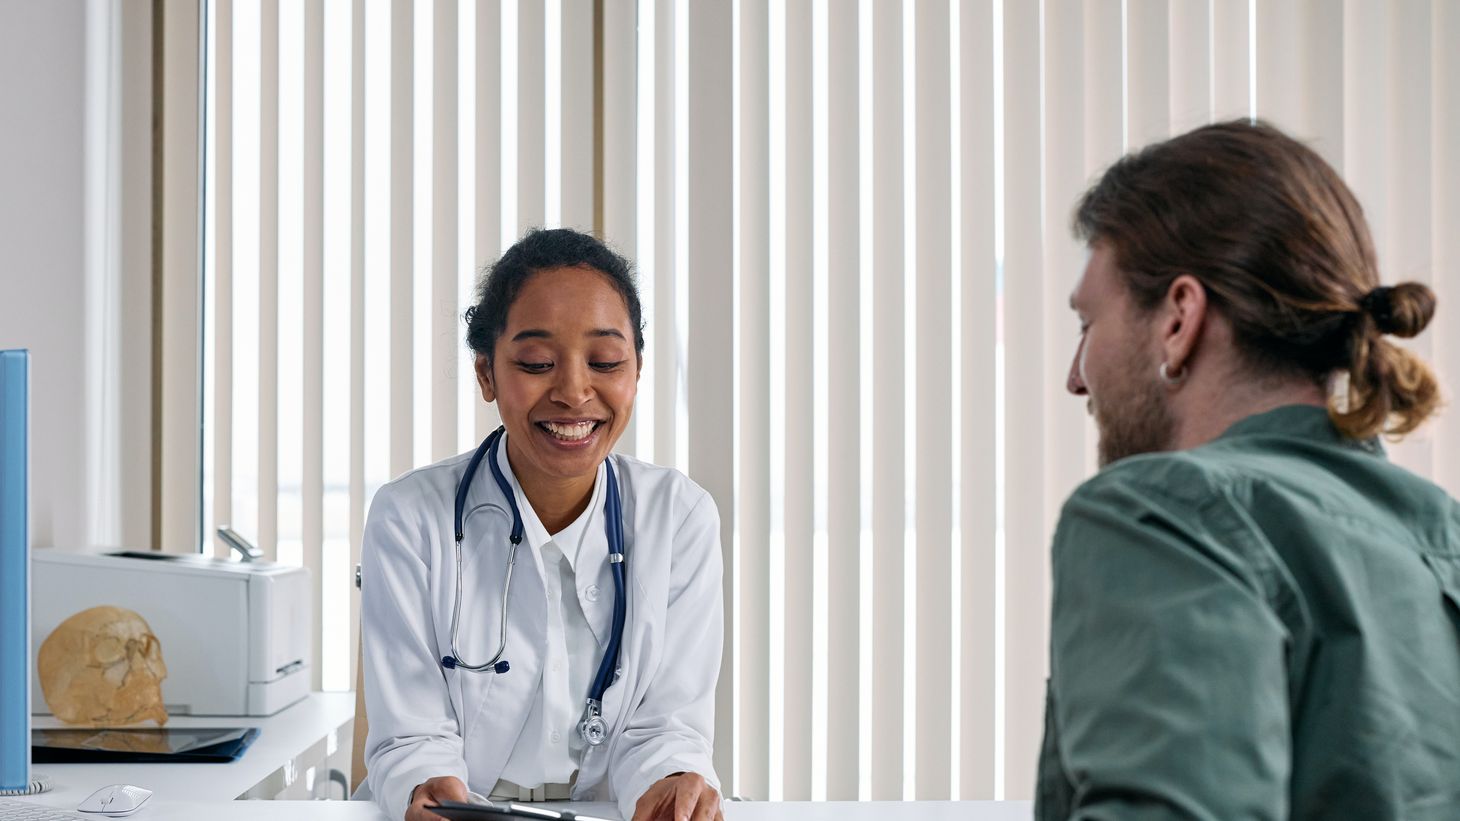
<point x="570" y="540"/>
<point x="1310" y="422"/>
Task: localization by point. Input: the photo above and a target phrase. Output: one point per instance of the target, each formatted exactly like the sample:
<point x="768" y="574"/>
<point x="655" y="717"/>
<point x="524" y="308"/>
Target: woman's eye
<point x="534" y="367"/>
<point x="608" y="366"/>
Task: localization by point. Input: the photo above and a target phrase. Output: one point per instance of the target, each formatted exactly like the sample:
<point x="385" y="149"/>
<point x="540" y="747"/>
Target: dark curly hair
<point x="540" y="250"/>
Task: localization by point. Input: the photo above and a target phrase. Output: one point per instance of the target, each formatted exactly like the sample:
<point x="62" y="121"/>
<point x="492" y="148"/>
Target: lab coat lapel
<point x="502" y="702"/>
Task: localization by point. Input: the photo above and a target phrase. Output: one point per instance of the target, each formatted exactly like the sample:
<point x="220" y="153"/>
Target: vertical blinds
<point x="850" y="219"/>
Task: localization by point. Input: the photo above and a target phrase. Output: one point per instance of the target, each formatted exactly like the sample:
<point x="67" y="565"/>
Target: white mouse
<point x="118" y="799"/>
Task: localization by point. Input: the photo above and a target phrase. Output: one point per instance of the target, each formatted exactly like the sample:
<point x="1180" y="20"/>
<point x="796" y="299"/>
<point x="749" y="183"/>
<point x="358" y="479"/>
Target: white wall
<point x="91" y="482"/>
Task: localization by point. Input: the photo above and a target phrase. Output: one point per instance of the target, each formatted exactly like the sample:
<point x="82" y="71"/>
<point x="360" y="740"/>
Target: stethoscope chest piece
<point x="593" y="728"/>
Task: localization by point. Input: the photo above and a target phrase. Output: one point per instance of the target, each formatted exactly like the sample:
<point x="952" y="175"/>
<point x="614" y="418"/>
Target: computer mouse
<point x="118" y="799"/>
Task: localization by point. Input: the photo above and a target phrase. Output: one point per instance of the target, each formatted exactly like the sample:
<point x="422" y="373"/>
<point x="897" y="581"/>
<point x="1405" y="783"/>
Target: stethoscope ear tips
<point x="448" y="662"/>
<point x="501" y="667"/>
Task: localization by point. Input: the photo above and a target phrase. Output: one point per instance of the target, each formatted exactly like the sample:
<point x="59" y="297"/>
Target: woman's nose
<point x="573" y="386"/>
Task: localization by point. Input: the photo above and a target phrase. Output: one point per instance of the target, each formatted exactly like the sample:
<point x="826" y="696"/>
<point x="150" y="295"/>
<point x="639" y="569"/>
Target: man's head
<point x="1235" y="256"/>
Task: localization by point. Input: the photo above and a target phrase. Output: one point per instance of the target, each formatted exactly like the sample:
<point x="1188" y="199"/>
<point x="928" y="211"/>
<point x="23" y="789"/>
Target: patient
<point x="1256" y="614"/>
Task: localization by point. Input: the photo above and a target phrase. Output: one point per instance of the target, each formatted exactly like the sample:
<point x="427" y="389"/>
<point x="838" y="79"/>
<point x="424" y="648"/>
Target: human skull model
<point x="103" y="668"/>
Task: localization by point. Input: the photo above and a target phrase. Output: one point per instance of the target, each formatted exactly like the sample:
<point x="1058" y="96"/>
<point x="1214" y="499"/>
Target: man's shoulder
<point x="1192" y="475"/>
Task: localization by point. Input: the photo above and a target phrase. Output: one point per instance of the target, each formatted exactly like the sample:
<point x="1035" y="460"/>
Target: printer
<point x="236" y="636"/>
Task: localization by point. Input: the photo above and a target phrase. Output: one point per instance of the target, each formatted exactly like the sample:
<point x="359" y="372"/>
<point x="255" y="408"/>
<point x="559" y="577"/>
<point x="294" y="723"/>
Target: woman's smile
<point x="571" y="434"/>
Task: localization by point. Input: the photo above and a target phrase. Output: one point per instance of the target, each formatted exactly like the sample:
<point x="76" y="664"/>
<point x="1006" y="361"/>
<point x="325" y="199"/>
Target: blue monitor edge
<point x="15" y="655"/>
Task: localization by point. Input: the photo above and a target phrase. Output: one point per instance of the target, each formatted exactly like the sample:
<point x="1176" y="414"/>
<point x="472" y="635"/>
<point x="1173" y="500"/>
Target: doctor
<point x="495" y="667"/>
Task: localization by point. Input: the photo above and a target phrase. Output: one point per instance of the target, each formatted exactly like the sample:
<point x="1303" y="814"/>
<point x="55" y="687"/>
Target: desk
<point x="734" y="811"/>
<point x="299" y="744"/>
<point x="285" y="761"/>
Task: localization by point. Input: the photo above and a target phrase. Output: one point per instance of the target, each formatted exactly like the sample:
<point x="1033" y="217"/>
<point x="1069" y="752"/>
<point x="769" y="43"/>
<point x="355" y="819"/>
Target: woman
<point x="547" y="704"/>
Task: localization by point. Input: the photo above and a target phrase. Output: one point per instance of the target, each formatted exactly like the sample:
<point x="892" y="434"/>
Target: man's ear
<point x="483" y="367"/>
<point x="640" y="371"/>
<point x="1184" y="317"/>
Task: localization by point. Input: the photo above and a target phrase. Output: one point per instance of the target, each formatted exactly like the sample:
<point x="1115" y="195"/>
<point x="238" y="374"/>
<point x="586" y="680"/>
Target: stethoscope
<point x="591" y="726"/>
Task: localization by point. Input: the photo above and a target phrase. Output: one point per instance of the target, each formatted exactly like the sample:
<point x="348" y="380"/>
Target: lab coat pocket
<point x="1447" y="570"/>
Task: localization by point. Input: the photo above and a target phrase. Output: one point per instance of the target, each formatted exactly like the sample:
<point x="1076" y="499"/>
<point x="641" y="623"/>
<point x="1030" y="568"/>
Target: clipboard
<point x="456" y="811"/>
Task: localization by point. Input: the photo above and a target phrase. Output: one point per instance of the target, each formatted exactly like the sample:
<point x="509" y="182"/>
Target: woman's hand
<point x="679" y="797"/>
<point x="433" y="791"/>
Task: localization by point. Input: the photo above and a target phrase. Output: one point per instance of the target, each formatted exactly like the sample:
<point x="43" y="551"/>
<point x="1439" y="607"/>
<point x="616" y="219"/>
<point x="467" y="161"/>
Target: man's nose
<point x="1075" y="383"/>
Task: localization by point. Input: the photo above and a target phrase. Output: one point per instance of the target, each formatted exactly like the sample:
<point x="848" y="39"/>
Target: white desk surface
<point x="187" y="792"/>
<point x="734" y="811"/>
<point x="282" y="737"/>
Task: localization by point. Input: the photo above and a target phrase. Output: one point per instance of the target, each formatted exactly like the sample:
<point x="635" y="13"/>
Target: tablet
<point x="71" y="745"/>
<point x="455" y="811"/>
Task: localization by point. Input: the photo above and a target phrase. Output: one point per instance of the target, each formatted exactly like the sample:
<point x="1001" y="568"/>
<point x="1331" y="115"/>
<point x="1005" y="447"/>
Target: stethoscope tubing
<point x="592" y="727"/>
<point x="496" y="664"/>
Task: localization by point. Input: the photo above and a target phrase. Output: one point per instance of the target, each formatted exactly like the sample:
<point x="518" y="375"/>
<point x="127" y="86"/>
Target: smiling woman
<point x="607" y="695"/>
<point x="558" y="339"/>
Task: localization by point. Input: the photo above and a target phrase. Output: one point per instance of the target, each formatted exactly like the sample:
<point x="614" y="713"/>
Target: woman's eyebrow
<point x="538" y="333"/>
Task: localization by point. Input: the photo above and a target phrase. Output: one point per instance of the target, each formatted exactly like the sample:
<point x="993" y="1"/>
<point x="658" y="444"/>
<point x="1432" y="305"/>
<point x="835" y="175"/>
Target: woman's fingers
<point x="682" y="797"/>
<point x="686" y="796"/>
<point x="708" y="806"/>
<point x="432" y="792"/>
<point x="652" y="804"/>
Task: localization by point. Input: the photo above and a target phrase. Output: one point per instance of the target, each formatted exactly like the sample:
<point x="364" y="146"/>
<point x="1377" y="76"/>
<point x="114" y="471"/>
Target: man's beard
<point x="1133" y="418"/>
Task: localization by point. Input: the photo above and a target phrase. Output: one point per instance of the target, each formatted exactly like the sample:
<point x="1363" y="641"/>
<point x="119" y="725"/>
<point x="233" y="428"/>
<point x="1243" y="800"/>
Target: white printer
<point x="236" y="637"/>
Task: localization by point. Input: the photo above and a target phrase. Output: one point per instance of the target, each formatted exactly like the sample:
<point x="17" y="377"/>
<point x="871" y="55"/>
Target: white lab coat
<point x="426" y="721"/>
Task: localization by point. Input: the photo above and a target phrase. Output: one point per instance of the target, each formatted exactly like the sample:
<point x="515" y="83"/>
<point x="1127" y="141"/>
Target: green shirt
<point x="1267" y="626"/>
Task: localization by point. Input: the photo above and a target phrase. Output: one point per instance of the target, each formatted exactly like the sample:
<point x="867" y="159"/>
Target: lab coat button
<point x="591" y="592"/>
<point x="557" y="736"/>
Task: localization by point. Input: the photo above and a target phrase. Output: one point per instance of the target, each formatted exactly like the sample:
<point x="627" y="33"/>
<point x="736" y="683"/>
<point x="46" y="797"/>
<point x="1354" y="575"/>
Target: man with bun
<point x="1256" y="615"/>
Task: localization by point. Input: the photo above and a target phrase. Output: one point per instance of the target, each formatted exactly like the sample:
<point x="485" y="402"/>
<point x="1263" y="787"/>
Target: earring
<point x="1170" y="379"/>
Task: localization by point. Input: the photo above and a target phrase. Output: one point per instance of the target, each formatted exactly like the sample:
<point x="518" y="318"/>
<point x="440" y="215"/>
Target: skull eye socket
<point x="108" y="650"/>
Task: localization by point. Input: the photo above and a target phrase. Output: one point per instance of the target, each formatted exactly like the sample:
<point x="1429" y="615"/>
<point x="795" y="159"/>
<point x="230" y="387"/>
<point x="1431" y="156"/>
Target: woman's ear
<point x="1185" y="317"/>
<point x="484" y="378"/>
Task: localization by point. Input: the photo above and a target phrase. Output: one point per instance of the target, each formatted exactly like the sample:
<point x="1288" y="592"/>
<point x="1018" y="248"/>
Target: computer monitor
<point x="15" y="775"/>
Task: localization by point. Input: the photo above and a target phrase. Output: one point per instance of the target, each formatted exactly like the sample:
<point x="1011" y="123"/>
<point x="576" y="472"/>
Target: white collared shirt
<point x="550" y="749"/>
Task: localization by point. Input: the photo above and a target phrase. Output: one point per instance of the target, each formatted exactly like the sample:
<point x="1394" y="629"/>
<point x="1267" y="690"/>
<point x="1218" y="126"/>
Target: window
<point x="848" y="217"/>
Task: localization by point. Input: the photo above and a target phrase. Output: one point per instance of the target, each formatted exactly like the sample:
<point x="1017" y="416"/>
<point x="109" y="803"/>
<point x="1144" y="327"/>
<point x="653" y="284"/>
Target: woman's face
<point x="564" y="374"/>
